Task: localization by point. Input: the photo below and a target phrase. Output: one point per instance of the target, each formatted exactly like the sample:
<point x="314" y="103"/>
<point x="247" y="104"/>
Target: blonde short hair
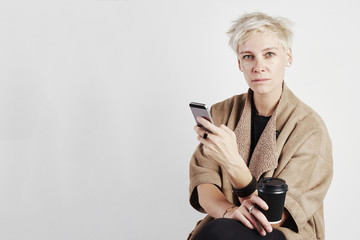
<point x="250" y="23"/>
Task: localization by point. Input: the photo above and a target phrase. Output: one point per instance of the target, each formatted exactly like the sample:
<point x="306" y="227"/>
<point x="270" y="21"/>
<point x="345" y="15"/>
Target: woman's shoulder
<point x="307" y="127"/>
<point x="308" y="114"/>
<point x="305" y="120"/>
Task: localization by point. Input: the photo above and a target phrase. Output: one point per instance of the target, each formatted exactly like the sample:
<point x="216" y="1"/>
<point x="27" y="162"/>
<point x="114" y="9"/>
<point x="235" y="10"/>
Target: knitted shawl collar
<point x="265" y="155"/>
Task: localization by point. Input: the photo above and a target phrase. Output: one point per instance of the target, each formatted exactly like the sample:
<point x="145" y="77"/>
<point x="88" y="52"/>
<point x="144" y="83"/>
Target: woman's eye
<point x="247" y="57"/>
<point x="270" y="54"/>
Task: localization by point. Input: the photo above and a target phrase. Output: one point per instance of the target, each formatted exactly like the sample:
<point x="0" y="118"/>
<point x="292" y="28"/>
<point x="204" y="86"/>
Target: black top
<point x="258" y="124"/>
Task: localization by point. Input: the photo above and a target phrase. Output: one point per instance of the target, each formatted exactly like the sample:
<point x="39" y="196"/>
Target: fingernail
<point x="269" y="229"/>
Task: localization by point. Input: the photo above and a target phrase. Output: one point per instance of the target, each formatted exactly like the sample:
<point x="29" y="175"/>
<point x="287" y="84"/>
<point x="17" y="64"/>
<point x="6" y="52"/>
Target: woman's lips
<point x="260" y="79"/>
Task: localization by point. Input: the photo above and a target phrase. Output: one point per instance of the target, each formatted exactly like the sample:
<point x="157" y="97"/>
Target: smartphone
<point x="201" y="110"/>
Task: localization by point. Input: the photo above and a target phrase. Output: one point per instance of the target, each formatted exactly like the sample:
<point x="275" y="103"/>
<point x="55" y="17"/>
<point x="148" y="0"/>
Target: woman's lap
<point x="229" y="229"/>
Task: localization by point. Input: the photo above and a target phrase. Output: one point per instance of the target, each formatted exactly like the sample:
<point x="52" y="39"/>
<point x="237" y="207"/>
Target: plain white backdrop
<point x="95" y="129"/>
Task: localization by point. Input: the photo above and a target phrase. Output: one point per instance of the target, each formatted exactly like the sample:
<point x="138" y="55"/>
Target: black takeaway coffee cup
<point x="273" y="192"/>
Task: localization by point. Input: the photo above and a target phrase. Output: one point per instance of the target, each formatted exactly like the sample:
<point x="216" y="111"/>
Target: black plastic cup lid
<point x="273" y="185"/>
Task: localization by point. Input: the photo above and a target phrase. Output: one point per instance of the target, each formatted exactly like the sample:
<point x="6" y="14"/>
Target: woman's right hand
<point x="249" y="214"/>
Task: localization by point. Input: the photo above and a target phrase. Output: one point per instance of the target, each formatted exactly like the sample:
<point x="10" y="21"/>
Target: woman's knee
<point x="221" y="228"/>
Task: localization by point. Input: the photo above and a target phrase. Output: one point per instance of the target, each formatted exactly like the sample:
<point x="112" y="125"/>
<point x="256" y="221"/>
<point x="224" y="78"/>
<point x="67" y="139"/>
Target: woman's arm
<point x="213" y="200"/>
<point x="220" y="146"/>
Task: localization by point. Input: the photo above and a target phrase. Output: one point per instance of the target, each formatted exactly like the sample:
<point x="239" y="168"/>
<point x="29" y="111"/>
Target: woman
<point x="267" y="132"/>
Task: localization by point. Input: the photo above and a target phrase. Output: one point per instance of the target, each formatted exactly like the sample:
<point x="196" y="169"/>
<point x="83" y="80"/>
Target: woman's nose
<point x="259" y="66"/>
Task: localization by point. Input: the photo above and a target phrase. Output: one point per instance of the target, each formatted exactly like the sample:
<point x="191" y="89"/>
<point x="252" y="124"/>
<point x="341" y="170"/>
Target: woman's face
<point x="263" y="59"/>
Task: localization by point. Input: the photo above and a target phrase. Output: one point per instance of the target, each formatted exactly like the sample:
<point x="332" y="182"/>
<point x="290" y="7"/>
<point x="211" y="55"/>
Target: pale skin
<point x="262" y="59"/>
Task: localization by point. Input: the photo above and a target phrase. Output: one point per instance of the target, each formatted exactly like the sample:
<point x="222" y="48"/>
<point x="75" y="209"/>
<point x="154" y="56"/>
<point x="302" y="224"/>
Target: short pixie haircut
<point x="250" y="23"/>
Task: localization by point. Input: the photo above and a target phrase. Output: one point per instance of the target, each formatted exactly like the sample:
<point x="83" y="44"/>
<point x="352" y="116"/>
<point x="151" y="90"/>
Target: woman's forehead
<point x="260" y="41"/>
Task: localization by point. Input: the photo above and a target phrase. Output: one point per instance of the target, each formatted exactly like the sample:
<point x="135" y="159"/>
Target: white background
<point x="95" y="129"/>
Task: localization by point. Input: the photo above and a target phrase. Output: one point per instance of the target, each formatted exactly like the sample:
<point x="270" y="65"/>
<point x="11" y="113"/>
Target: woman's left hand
<point x="220" y="145"/>
<point x="250" y="215"/>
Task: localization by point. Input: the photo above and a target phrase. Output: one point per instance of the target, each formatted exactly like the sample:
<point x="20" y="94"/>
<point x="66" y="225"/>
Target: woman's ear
<point x="289" y="57"/>
<point x="239" y="65"/>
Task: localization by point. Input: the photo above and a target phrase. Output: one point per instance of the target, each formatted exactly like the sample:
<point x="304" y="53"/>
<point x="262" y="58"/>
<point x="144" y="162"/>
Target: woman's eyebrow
<point x="244" y="52"/>
<point x="264" y="50"/>
<point x="270" y="48"/>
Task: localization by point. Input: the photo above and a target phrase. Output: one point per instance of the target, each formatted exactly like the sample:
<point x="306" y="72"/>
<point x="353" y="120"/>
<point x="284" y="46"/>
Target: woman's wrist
<point x="229" y="210"/>
<point x="239" y="176"/>
<point x="247" y="190"/>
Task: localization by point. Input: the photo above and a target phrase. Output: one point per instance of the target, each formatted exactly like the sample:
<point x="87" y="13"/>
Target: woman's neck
<point x="266" y="103"/>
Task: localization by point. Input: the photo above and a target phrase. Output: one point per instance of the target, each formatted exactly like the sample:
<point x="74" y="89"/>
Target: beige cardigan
<point x="301" y="154"/>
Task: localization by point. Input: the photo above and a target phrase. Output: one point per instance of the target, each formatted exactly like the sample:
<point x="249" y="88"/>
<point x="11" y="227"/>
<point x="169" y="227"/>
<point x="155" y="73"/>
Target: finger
<point x="207" y="143"/>
<point x="259" y="216"/>
<point x="202" y="140"/>
<point x="250" y="218"/>
<point x="248" y="205"/>
<point x="255" y="199"/>
<point x="199" y="130"/>
<point x="226" y="129"/>
<point x="261" y="219"/>
<point x="203" y="134"/>
<point x="257" y="225"/>
<point x="238" y="215"/>
<point x="246" y="222"/>
<point x="208" y="125"/>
